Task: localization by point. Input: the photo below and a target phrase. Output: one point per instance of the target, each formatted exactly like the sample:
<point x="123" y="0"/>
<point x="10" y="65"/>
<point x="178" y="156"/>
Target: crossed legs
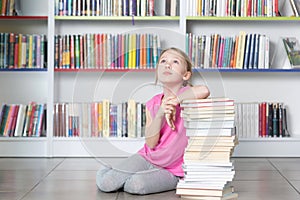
<point x="136" y="176"/>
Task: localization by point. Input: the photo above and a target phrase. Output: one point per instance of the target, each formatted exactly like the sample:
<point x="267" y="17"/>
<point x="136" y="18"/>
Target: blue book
<point x="251" y="57"/>
<point x="256" y="51"/>
<point x="247" y="51"/>
<point x="138" y="51"/>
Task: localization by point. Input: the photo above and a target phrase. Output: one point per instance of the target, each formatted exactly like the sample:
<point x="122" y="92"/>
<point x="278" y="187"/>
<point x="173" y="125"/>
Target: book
<point x="209" y="124"/>
<point x="292" y="47"/>
<point x="215" y="101"/>
<point x="211" y="132"/>
<point x="229" y="196"/>
<point x="204" y="192"/>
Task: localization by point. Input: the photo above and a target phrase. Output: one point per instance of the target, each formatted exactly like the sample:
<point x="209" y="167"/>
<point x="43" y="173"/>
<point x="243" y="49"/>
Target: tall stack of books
<point x="207" y="165"/>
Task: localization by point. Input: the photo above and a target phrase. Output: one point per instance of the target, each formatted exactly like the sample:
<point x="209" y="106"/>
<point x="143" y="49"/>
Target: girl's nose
<point x="168" y="66"/>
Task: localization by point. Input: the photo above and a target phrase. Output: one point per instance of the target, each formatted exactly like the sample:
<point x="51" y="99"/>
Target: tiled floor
<point x="74" y="178"/>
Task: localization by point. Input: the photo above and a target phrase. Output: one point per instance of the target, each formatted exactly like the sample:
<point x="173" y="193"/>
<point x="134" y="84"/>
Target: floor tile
<point x="291" y="175"/>
<point x="72" y="175"/>
<point x="68" y="189"/>
<point x="253" y="164"/>
<point x="286" y="164"/>
<point x="29" y="163"/>
<point x="262" y="175"/>
<point x="296" y="184"/>
<point x="20" y="180"/>
<point x="11" y="195"/>
<point x="87" y="163"/>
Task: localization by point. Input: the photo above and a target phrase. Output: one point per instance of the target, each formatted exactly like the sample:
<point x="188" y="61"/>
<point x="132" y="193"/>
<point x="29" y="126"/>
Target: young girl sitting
<point x="157" y="166"/>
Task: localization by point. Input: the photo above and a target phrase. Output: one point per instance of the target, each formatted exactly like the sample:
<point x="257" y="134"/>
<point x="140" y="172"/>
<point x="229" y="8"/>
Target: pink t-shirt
<point x="169" y="151"/>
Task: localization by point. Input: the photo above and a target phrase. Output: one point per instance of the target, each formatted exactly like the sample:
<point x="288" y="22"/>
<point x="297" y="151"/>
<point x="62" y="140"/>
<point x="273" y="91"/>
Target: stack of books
<point x="211" y="130"/>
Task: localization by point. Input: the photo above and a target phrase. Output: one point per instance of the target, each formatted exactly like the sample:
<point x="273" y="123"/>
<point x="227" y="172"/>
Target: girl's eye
<point x="176" y="61"/>
<point x="162" y="61"/>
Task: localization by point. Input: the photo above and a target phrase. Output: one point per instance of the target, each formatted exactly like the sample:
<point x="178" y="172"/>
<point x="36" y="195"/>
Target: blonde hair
<point x="189" y="65"/>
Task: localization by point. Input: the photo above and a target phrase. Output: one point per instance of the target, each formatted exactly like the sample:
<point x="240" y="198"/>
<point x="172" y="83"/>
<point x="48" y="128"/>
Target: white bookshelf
<point x="51" y="87"/>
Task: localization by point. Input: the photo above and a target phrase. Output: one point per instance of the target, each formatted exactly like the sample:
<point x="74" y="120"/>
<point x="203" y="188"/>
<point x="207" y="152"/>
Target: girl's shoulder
<point x="156" y="99"/>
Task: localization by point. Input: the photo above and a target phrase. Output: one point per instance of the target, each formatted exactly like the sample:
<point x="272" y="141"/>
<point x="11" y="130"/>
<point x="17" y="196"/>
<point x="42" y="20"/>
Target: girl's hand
<point x="169" y="107"/>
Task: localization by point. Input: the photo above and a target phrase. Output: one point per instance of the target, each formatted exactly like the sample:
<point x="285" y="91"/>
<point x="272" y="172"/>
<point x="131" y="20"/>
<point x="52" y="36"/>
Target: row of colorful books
<point x="208" y="169"/>
<point x="9" y="7"/>
<point x="107" y="51"/>
<point x="22" y="51"/>
<point x="261" y="119"/>
<point x="236" y="8"/>
<point x="99" y="119"/>
<point x="104" y="7"/>
<point x="23" y="120"/>
<point x="243" y="51"/>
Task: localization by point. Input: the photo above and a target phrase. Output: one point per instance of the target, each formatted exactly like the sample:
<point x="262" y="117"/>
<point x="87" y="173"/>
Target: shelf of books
<point x="23" y="72"/>
<point x="247" y="55"/>
<point x="230" y="18"/>
<point x="119" y="18"/>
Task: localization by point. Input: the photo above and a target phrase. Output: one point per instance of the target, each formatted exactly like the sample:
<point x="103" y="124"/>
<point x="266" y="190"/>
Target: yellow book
<point x="105" y="118"/>
<point x="130" y="54"/>
<point x="100" y="119"/>
<point x="241" y="49"/>
<point x="30" y="43"/>
<point x="133" y="51"/>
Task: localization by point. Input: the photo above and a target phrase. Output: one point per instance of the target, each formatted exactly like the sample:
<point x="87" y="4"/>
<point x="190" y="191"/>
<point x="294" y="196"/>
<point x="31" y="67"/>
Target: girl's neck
<point x="171" y="90"/>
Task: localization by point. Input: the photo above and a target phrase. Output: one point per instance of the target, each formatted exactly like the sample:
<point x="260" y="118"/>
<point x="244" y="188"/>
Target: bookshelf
<point x="76" y="85"/>
<point x="25" y="85"/>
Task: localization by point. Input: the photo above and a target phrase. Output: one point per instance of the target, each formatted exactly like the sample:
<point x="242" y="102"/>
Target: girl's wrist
<point x="178" y="99"/>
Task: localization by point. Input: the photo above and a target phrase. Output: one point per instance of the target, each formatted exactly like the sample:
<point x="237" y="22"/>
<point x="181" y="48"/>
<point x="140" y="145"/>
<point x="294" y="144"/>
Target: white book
<point x="209" y="124"/>
<point x="210" y="132"/>
<point x="20" y="120"/>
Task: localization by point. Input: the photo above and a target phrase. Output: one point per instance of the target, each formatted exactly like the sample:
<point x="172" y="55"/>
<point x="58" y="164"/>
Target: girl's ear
<point x="187" y="76"/>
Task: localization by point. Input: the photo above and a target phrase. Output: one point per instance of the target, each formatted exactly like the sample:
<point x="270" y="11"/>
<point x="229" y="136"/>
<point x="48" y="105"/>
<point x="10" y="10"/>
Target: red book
<point x="72" y="52"/>
<point x="16" y="54"/>
<point x="31" y="119"/>
<point x="151" y="7"/>
<point x="263" y="119"/>
<point x="98" y="50"/>
<point x="81" y="51"/>
<point x="11" y="130"/>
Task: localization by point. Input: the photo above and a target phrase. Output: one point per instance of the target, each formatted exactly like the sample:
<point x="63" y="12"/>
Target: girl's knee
<point x="103" y="181"/>
<point x="135" y="185"/>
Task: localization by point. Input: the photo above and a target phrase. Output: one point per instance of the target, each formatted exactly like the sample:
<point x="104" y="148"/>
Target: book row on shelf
<point x="23" y="120"/>
<point x="104" y="7"/>
<point x="127" y="119"/>
<point x="236" y="8"/>
<point x="9" y="7"/>
<point x="208" y="169"/>
<point x="22" y="51"/>
<point x="106" y="51"/>
<point x="99" y="119"/>
<point x="243" y="51"/>
<point x="261" y="119"/>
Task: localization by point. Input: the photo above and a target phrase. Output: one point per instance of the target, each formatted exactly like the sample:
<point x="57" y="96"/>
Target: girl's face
<point x="172" y="68"/>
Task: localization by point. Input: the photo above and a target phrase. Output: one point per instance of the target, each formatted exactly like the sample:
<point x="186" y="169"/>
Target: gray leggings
<point x="136" y="176"/>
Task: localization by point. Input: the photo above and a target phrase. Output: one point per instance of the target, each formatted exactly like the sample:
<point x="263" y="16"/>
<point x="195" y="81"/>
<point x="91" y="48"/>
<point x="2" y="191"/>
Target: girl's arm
<point x="154" y="125"/>
<point x="194" y="92"/>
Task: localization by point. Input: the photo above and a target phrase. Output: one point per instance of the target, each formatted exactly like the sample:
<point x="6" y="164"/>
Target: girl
<point x="157" y="166"/>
